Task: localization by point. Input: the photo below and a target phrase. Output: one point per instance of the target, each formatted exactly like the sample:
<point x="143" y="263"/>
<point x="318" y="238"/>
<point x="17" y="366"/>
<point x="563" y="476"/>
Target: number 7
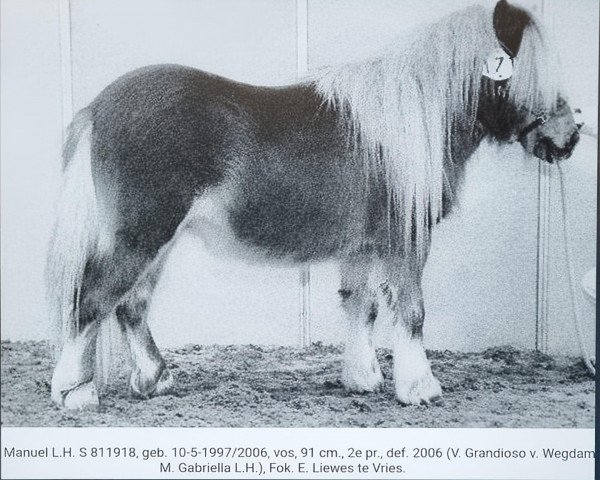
<point x="500" y="63"/>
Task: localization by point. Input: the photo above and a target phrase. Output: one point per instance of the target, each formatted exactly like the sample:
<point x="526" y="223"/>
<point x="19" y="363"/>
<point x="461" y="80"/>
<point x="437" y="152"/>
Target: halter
<point x="540" y="118"/>
<point x="501" y="89"/>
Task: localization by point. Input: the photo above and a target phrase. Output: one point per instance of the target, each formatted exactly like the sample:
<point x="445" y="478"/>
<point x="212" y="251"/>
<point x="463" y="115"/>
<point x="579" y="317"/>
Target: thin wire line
<point x="538" y="260"/>
<point x="569" y="258"/>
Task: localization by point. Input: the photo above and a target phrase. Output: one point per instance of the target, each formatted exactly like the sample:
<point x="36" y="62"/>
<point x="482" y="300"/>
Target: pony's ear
<point x="509" y="24"/>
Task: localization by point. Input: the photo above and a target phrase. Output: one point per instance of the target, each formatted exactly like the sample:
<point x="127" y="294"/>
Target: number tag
<point x="498" y="66"/>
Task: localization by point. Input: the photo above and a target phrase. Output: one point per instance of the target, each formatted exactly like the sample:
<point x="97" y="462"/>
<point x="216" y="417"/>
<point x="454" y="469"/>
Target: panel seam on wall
<point x="66" y="62"/>
<point x="301" y="71"/>
<point x="301" y="38"/>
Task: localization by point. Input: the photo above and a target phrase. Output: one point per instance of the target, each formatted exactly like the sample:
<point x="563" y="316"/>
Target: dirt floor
<point x="256" y="386"/>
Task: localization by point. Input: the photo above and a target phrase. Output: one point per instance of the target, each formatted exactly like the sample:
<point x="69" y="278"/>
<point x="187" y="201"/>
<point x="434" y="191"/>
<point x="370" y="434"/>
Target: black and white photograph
<point x="299" y="213"/>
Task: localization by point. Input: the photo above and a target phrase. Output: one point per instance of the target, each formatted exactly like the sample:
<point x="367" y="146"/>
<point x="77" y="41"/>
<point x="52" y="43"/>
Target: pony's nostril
<point x="573" y="140"/>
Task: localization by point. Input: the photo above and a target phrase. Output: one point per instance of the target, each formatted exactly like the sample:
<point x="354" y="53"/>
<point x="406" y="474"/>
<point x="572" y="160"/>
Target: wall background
<point x="480" y="282"/>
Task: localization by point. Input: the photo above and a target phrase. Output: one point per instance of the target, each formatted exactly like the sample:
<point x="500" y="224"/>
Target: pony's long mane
<point x="403" y="108"/>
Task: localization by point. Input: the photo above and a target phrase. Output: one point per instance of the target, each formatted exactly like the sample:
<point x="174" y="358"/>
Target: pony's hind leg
<point x="74" y="382"/>
<point x="361" y="371"/>
<point x="106" y="281"/>
<point x="413" y="378"/>
<point x="150" y="375"/>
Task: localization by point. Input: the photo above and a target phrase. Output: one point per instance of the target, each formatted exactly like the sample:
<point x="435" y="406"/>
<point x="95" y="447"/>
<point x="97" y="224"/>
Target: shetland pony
<point x="356" y="163"/>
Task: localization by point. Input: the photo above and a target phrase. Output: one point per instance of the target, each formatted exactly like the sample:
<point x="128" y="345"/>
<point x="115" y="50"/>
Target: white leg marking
<point x="162" y="386"/>
<point x="149" y="377"/>
<point x="73" y="384"/>
<point x="83" y="396"/>
<point x="414" y="381"/>
<point x="361" y="371"/>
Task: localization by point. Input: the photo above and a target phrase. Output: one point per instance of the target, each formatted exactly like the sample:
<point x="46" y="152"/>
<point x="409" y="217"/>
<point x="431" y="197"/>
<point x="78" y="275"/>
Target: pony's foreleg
<point x="413" y="378"/>
<point x="361" y="371"/>
<point x="150" y="375"/>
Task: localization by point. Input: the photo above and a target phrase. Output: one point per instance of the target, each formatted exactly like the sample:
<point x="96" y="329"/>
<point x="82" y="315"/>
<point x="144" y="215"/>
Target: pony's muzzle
<point x="547" y="150"/>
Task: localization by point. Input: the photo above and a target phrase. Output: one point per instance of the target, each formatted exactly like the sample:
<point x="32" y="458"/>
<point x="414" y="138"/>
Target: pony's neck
<point x="465" y="139"/>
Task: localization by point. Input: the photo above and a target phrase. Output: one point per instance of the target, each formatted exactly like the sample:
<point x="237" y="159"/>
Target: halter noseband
<point x="540" y="120"/>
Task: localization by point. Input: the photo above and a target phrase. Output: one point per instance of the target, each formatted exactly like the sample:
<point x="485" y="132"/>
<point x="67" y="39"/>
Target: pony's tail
<point x="76" y="239"/>
<point x="75" y="234"/>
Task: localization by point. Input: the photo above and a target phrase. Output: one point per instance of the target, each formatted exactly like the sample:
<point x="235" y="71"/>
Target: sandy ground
<point x="256" y="386"/>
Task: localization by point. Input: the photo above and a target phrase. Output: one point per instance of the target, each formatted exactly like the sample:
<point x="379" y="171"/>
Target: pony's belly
<point x="210" y="220"/>
<point x="214" y="219"/>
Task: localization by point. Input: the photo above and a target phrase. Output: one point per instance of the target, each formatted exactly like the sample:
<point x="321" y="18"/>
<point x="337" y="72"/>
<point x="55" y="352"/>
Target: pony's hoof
<point x="79" y="397"/>
<point x="424" y="391"/>
<point x="144" y="388"/>
<point x="369" y="380"/>
<point x="165" y="383"/>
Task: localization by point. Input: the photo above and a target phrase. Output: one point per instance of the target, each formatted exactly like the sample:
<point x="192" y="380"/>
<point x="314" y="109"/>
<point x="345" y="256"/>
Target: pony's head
<point x="416" y="113"/>
<point x="525" y="104"/>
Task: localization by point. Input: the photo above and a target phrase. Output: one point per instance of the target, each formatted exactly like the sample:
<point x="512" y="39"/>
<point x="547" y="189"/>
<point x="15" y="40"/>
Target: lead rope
<point x="569" y="256"/>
